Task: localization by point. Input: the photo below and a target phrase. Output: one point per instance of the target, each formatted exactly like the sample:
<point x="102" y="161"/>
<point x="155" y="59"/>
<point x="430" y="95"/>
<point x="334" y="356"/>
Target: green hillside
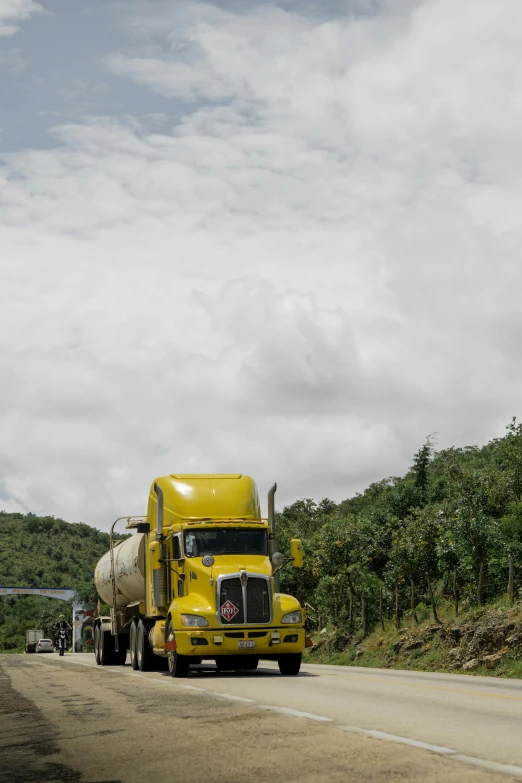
<point x="43" y="552"/>
<point x="449" y="532"/>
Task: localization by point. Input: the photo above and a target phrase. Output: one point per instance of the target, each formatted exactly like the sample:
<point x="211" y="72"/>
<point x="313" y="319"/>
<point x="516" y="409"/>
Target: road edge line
<point x="455" y="755"/>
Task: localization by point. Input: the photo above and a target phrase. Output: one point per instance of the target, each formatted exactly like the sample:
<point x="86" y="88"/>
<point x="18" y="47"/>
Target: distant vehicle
<point x="44" y="645"/>
<point x="31" y="639"/>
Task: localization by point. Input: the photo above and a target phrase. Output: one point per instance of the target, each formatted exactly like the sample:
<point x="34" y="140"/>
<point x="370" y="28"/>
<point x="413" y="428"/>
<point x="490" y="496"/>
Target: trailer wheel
<point x="119" y="658"/>
<point x="289" y="664"/>
<point x="97" y="633"/>
<point x="144" y="654"/>
<point x="133" y="634"/>
<point x="106" y="648"/>
<point x="178" y="664"/>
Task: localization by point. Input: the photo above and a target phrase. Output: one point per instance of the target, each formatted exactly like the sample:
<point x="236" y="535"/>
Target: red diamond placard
<point x="228" y="610"/>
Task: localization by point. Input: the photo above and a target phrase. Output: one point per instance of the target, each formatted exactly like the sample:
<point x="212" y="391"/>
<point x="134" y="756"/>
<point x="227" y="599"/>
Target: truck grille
<point x="258" y="600"/>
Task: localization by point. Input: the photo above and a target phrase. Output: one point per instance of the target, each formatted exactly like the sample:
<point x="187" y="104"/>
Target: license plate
<point x="246" y="643"/>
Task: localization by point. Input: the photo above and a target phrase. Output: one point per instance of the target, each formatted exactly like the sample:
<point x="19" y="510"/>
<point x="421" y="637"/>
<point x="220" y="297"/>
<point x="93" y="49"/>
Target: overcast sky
<point x="282" y="239"/>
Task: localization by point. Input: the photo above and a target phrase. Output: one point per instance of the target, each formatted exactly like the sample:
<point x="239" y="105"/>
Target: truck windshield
<point x="234" y="541"/>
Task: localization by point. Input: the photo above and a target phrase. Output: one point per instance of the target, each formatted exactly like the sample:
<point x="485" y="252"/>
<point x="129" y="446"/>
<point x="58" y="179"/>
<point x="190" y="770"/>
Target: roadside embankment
<point x="485" y="640"/>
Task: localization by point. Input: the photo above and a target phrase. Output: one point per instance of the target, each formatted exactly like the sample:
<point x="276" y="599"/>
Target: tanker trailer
<point x="126" y="559"/>
<point x="199" y="581"/>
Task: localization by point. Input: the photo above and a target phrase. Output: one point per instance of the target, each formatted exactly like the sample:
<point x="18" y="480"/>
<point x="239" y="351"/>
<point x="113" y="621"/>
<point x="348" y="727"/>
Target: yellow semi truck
<point x="199" y="580"/>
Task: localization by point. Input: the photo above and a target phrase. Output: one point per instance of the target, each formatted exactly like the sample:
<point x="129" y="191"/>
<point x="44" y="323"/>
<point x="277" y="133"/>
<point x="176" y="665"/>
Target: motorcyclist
<point x="61" y="625"/>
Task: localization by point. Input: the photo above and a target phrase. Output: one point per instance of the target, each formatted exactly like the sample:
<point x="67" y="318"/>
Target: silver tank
<point x="129" y="567"/>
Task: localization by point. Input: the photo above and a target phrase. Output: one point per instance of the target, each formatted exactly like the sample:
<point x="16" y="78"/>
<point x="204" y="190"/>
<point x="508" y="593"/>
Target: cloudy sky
<point x="277" y="238"/>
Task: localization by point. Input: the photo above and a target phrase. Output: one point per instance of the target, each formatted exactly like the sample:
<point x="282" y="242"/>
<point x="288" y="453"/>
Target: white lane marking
<point x="402" y="740"/>
<point x="77" y="663"/>
<point x="294" y="713"/>
<point x="191" y="687"/>
<point x="229" y="696"/>
<point x="494" y="766"/>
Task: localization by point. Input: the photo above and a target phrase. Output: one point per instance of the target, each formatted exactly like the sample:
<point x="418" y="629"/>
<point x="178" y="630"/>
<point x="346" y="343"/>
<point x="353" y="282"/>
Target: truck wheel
<point x="144" y="654"/>
<point x="178" y="664"/>
<point x="133" y="633"/>
<point x="119" y="658"/>
<point x="250" y="663"/>
<point x="289" y="664"/>
<point x="97" y="644"/>
<point x="106" y="647"/>
<point x="227" y="663"/>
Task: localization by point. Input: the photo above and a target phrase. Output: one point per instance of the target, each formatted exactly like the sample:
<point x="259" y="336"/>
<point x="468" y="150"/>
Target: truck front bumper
<point x="241" y="641"/>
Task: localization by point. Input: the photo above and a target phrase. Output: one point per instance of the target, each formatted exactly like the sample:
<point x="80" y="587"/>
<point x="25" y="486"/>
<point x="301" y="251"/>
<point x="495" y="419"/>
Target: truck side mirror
<point x="155" y="553"/>
<point x="296" y="552"/>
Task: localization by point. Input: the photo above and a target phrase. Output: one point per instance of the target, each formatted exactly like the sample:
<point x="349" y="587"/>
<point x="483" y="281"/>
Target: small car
<point x="44" y="645"/>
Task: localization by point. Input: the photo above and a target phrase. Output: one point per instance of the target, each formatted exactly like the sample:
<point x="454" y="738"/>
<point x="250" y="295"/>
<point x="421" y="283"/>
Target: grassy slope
<point x="494" y="630"/>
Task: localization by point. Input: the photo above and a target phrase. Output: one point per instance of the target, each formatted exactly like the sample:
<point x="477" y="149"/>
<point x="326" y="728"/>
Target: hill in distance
<point x="44" y="552"/>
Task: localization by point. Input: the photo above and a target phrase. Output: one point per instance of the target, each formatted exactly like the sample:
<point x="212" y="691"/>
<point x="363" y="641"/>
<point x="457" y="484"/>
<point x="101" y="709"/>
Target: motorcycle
<point x="62" y="641"/>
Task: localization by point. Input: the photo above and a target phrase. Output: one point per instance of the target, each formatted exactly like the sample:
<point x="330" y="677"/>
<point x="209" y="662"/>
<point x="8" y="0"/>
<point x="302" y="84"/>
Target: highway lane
<point x="478" y="717"/>
<point x="71" y="720"/>
<point x="475" y="716"/>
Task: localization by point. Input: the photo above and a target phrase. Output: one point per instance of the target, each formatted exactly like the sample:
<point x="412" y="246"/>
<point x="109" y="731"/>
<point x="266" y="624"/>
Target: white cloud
<point x="14" y="11"/>
<point x="318" y="266"/>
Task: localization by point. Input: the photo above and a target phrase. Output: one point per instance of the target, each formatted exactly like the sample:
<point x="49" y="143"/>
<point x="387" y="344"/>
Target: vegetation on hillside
<point x="43" y="552"/>
<point x="481" y="640"/>
<point x="449" y="530"/>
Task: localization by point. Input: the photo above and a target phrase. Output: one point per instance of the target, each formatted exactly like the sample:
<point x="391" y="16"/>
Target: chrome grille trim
<point x="232" y="624"/>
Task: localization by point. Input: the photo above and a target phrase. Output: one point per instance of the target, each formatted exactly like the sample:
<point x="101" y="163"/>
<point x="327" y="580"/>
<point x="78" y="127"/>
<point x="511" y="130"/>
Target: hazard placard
<point x="228" y="610"/>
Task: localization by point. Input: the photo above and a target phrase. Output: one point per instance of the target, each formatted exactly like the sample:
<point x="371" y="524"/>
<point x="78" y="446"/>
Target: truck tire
<point x="178" y="664"/>
<point x="289" y="664"/>
<point x="119" y="658"/>
<point x="97" y="633"/>
<point x="133" y="634"/>
<point x="228" y="663"/>
<point x="250" y="663"/>
<point x="144" y="655"/>
<point x="106" y="648"/>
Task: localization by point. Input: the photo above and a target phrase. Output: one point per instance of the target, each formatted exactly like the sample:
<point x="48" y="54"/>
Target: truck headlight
<point x="193" y="620"/>
<point x="292" y="617"/>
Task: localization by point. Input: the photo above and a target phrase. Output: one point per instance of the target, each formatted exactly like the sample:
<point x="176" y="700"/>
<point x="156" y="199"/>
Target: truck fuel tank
<point x="129" y="568"/>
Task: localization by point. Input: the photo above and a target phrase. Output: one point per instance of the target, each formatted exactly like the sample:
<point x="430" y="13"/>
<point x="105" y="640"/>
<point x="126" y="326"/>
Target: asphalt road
<point x="69" y="720"/>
